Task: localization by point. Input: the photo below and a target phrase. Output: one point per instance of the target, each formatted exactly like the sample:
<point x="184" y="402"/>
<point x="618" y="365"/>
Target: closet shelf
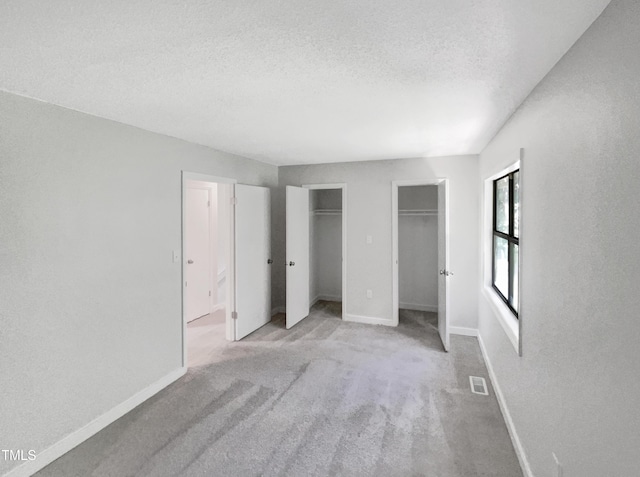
<point x="418" y="212"/>
<point x="327" y="212"/>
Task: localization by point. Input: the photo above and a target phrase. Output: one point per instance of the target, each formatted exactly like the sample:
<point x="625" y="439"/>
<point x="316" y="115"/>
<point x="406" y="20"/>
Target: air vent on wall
<point x="478" y="385"/>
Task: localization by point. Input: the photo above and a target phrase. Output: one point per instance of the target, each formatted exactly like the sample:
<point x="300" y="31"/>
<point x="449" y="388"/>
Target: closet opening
<point x="206" y="266"/>
<point x="420" y="253"/>
<point x="327" y="245"/>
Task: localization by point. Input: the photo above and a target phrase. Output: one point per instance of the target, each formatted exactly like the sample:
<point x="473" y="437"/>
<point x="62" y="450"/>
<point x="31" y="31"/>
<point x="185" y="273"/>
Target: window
<point x="506" y="238"/>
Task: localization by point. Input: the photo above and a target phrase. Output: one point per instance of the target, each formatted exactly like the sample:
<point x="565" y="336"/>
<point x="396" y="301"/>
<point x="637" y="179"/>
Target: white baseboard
<point x="67" y="443"/>
<point x="517" y="445"/>
<point x="369" y="320"/>
<point x="278" y="309"/>
<point x="416" y="307"/>
<point x="460" y="330"/>
<point x="337" y="298"/>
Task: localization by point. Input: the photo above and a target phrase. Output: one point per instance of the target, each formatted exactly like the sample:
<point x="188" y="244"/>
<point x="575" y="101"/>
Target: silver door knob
<point x="441" y="272"/>
<point x="292" y="264"/>
<point x="189" y="262"/>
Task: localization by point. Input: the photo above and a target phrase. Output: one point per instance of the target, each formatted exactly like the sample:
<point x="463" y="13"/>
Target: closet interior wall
<point x="418" y="247"/>
<point x="325" y="227"/>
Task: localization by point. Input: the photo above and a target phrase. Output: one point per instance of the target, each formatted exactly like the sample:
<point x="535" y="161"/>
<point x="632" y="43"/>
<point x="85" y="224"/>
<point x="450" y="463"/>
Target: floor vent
<point x="478" y="385"/>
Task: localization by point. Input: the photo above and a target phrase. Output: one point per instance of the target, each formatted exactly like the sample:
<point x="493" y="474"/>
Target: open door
<point x="252" y="259"/>
<point x="443" y="322"/>
<point x="297" y="255"/>
<point x="198" y="254"/>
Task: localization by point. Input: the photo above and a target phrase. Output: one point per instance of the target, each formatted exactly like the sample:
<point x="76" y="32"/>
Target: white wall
<point x="369" y="213"/>
<point x="575" y="391"/>
<point x="326" y="240"/>
<point x="90" y="298"/>
<point x="418" y="249"/>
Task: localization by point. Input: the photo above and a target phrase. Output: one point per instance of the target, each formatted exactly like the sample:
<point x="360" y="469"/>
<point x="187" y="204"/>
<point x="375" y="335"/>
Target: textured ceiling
<point x="293" y="82"/>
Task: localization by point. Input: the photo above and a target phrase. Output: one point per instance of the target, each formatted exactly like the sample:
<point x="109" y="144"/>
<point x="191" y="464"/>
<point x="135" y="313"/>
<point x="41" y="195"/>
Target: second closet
<point x="325" y="229"/>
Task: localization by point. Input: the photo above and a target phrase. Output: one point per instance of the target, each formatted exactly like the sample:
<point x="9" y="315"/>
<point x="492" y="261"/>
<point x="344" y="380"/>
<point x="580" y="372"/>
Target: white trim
<point x="515" y="439"/>
<point x="510" y="324"/>
<point x="317" y="298"/>
<point x="278" y="309"/>
<point x="462" y="331"/>
<point x="369" y="320"/>
<point x="76" y="438"/>
<point x="343" y="186"/>
<point x="335" y="298"/>
<point x="416" y="307"/>
<point x="503" y="315"/>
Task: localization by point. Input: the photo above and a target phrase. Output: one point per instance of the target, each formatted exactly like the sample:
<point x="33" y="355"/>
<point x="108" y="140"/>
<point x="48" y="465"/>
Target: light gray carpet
<point x="324" y="398"/>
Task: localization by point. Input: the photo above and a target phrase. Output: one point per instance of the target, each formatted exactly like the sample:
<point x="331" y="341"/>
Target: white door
<point x="252" y="259"/>
<point x="443" y="322"/>
<point x="297" y="262"/>
<point x="198" y="254"/>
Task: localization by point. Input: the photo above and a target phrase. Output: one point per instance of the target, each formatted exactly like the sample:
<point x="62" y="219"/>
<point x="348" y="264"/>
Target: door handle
<point x="189" y="262"/>
<point x="292" y="264"/>
<point x="269" y="261"/>
<point x="441" y="272"/>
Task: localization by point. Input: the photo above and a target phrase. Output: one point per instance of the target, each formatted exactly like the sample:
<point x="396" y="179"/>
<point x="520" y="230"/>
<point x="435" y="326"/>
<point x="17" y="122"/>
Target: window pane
<point x="502" y="205"/>
<point x="514" y="273"/>
<point x="516" y="204"/>
<point x="501" y="265"/>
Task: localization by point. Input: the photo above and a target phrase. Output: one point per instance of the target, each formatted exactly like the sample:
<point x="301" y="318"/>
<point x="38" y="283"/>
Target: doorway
<point x="312" y="210"/>
<point x="206" y="268"/>
<point x="420" y="254"/>
<point x="418" y="248"/>
<point x="226" y="263"/>
<point x="325" y="257"/>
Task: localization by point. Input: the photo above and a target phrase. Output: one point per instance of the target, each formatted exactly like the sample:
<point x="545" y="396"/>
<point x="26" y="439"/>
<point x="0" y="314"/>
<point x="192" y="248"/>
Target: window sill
<point x="505" y="317"/>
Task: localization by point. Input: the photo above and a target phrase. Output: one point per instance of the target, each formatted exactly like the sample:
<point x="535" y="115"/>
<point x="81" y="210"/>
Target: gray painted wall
<point x="418" y="249"/>
<point x="575" y="391"/>
<point x="90" y="211"/>
<point x="369" y="213"/>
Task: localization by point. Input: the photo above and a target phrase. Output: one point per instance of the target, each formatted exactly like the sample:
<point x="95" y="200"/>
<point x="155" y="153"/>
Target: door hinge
<point x="209" y="292"/>
<point x="208" y="203"/>
<point x="234" y="315"/>
<point x="185" y="284"/>
<point x="234" y="201"/>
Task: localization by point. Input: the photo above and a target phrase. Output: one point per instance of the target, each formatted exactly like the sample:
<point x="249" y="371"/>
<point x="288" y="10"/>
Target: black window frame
<point x="509" y="237"/>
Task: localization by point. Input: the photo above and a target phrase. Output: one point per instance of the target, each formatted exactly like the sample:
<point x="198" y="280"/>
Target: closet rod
<point x="327" y="212"/>
<point x="418" y="212"/>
